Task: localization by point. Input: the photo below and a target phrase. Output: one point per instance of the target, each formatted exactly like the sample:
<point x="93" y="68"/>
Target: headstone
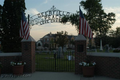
<point x="64" y="49"/>
<point x="107" y="48"/>
<point x="69" y="57"/>
<point x="95" y="50"/>
<point x="59" y="53"/>
<point x="54" y="51"/>
<point x="101" y="49"/>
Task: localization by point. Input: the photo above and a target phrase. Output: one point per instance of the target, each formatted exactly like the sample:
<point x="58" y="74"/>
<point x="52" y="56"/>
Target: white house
<point x="39" y="45"/>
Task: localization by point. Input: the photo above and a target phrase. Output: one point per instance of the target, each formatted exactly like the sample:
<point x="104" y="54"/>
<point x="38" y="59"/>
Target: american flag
<point x="84" y="27"/>
<point x="24" y="29"/>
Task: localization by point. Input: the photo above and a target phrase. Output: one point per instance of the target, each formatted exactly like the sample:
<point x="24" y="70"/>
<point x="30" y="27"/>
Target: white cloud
<point x="38" y="31"/>
<point x="115" y="10"/>
<point x="45" y="2"/>
<point x="112" y="9"/>
<point x="32" y="11"/>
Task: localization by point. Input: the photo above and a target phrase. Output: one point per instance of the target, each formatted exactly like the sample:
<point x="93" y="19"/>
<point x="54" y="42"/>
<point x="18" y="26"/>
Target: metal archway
<point x="49" y="16"/>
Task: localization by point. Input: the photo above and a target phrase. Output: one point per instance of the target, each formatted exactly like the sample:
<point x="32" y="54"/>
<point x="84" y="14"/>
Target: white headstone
<point x="59" y="54"/>
<point x="64" y="49"/>
<point x="69" y="57"/>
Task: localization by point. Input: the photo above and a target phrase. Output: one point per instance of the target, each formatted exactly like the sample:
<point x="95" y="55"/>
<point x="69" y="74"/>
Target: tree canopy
<point x="99" y="21"/>
<point x="11" y="18"/>
<point x="112" y="38"/>
<point x="61" y="38"/>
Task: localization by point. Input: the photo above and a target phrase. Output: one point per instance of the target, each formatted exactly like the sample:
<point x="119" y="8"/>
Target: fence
<point x="6" y="58"/>
<point x="108" y="64"/>
<point x="27" y="55"/>
<point x="53" y="61"/>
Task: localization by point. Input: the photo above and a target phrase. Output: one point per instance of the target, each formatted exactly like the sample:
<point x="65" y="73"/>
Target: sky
<point x="36" y="6"/>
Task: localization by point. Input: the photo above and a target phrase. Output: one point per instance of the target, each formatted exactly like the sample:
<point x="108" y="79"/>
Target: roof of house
<point x="53" y="35"/>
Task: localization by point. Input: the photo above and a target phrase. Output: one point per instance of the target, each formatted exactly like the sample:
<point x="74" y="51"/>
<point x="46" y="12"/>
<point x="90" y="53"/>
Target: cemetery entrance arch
<point x="49" y="16"/>
<point x="54" y="60"/>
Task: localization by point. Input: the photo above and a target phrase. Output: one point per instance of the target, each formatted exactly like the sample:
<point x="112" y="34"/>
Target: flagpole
<point x="29" y="22"/>
<point x="28" y="18"/>
<point x="79" y="20"/>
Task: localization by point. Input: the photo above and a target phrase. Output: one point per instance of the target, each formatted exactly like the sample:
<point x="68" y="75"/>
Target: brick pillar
<point x="28" y="54"/>
<point x="80" y="52"/>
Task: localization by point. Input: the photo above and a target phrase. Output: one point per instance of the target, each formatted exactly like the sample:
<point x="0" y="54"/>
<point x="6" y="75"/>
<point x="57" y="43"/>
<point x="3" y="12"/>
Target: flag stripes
<point x="84" y="27"/>
<point x="24" y="29"/>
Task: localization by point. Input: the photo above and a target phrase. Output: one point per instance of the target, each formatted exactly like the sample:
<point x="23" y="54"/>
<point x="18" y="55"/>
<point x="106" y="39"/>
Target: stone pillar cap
<point x="80" y="37"/>
<point x="30" y="39"/>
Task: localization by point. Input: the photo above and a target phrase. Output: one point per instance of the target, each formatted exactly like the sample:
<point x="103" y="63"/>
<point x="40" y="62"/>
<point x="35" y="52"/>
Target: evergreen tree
<point x="0" y="22"/>
<point x="11" y="18"/>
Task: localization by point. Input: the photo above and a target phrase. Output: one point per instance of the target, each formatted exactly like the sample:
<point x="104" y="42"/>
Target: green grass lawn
<point x="46" y="62"/>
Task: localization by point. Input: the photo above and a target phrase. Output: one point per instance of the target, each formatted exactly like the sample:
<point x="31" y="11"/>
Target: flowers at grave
<point x="17" y="63"/>
<point x="87" y="64"/>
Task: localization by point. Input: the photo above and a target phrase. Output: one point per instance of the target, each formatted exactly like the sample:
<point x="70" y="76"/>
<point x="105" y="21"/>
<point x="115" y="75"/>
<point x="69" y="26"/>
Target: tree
<point x="98" y="20"/>
<point x="52" y="44"/>
<point x="113" y="33"/>
<point x="105" y="40"/>
<point x="1" y="22"/>
<point x="115" y="37"/>
<point x="117" y="32"/>
<point x="73" y="19"/>
<point x="61" y="38"/>
<point x="11" y="18"/>
<point x="112" y="39"/>
<point x="104" y="23"/>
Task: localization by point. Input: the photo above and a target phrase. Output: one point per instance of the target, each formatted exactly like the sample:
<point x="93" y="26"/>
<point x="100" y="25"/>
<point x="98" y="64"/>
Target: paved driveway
<point x="52" y="76"/>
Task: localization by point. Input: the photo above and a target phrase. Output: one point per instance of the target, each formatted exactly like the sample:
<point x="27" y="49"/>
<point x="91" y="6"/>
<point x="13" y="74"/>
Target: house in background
<point x="39" y="45"/>
<point x="48" y="41"/>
